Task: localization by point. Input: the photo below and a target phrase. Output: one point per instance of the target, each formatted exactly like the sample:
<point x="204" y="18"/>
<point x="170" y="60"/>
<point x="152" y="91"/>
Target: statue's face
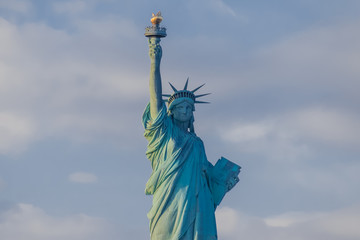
<point x="183" y="111"/>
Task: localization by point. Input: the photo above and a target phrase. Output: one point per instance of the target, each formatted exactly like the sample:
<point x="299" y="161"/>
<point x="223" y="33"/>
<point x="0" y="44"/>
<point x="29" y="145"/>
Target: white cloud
<point x="15" y="132"/>
<point x="317" y="59"/>
<point x="27" y="222"/>
<point x="342" y="186"/>
<point x="70" y="7"/>
<point x="221" y="6"/>
<point x="22" y="6"/>
<point x="49" y="75"/>
<point x="105" y="28"/>
<point x="246" y="132"/>
<point x="81" y="128"/>
<point x="332" y="225"/>
<point x="294" y="143"/>
<point x="268" y="137"/>
<point x="295" y="133"/>
<point x="2" y="184"/>
<point x="83" y="177"/>
<point x="291" y="218"/>
<point x="215" y="11"/>
<point x="328" y="125"/>
<point x="227" y="219"/>
<point x="231" y="224"/>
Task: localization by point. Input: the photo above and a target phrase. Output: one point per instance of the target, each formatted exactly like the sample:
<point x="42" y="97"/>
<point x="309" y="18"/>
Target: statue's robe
<point x="183" y="208"/>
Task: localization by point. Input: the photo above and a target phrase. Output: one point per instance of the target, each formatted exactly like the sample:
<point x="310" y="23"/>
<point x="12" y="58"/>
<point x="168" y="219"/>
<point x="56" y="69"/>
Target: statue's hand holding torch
<point x="155" y="33"/>
<point x="155" y="51"/>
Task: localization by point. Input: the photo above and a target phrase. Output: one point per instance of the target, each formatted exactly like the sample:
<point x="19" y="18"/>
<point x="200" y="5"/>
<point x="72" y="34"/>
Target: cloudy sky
<point x="284" y="77"/>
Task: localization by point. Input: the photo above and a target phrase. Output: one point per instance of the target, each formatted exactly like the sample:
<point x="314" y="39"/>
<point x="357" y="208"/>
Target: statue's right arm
<point x="155" y="88"/>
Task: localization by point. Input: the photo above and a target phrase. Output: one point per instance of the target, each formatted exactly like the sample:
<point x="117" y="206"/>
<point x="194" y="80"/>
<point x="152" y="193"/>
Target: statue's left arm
<point x="222" y="178"/>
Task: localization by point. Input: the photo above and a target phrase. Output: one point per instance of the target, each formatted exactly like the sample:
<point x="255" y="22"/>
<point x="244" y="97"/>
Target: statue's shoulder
<point x="196" y="138"/>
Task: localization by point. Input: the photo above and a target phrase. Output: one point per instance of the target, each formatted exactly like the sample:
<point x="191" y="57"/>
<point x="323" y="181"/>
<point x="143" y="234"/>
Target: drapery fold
<point x="182" y="203"/>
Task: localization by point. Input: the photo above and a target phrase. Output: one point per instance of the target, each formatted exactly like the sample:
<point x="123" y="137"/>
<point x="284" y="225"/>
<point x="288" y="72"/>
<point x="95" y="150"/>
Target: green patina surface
<point x="186" y="187"/>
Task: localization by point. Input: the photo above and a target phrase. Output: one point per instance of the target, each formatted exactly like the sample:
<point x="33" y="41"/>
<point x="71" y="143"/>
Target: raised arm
<point x="155" y="53"/>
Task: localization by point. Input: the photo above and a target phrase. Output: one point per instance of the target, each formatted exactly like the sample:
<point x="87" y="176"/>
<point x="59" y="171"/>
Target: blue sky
<point x="284" y="78"/>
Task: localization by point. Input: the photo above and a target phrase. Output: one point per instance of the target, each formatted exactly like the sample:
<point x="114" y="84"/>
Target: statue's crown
<point x="184" y="94"/>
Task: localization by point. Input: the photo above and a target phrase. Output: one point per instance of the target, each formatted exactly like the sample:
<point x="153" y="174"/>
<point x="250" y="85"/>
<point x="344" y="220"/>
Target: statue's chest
<point x="186" y="143"/>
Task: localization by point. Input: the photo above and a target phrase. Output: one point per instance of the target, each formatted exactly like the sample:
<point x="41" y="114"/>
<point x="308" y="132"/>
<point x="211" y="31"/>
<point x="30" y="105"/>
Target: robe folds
<point x="183" y="208"/>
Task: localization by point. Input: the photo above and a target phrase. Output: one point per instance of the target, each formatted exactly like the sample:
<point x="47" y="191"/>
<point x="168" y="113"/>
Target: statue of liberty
<point x="186" y="187"/>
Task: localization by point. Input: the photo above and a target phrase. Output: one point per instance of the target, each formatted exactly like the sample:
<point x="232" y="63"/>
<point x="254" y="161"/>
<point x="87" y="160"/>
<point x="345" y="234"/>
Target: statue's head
<point x="181" y="104"/>
<point x="182" y="110"/>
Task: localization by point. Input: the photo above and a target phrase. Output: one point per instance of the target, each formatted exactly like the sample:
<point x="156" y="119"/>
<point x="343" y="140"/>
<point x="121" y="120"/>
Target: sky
<point x="284" y="77"/>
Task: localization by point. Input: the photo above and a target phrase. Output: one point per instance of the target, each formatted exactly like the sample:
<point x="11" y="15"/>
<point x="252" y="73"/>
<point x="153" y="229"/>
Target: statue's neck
<point x="182" y="125"/>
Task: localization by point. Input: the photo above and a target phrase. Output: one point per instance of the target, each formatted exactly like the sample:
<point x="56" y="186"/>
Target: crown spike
<point x="175" y="90"/>
<point x="201" y="102"/>
<point x="184" y="93"/>
<point x="197" y="88"/>
<point x="186" y="84"/>
<point x="201" y="95"/>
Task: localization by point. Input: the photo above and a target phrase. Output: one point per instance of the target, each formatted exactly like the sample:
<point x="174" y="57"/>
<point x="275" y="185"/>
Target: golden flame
<point x="156" y="19"/>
